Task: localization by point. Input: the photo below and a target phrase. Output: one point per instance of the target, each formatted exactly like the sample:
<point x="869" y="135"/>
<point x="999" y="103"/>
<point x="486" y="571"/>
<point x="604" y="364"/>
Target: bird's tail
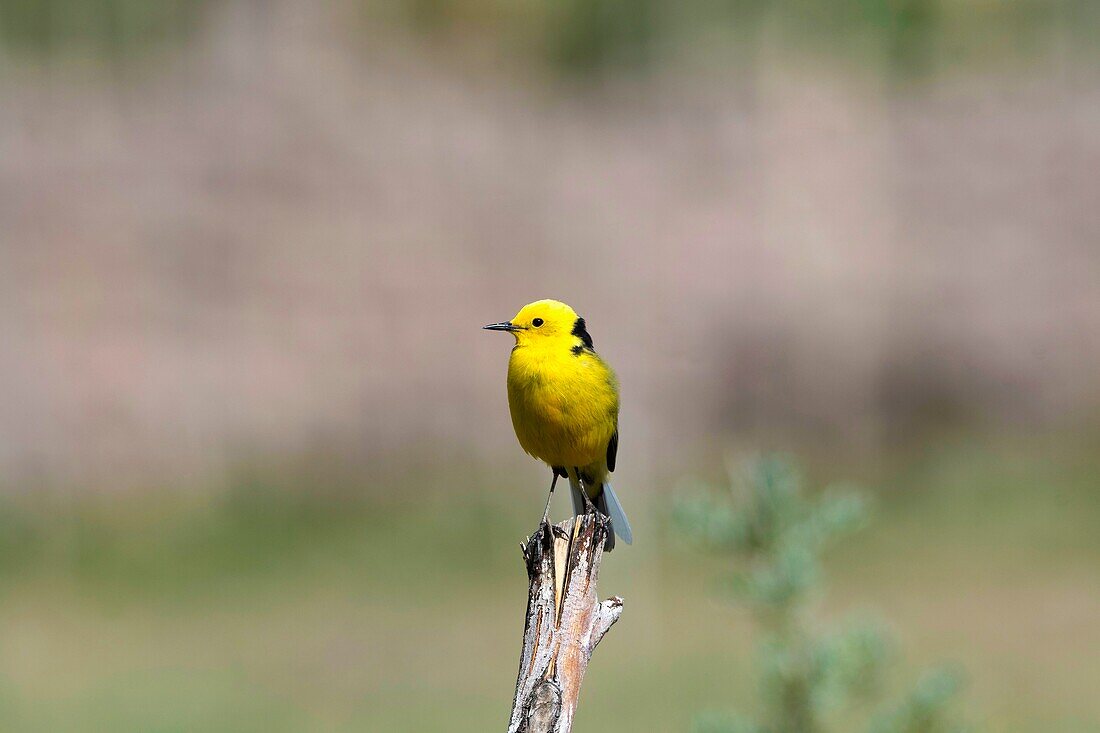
<point x="608" y="504"/>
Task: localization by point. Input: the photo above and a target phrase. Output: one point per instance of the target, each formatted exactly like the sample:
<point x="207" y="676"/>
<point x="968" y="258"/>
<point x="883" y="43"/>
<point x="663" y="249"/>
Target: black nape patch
<point x="580" y="332"/>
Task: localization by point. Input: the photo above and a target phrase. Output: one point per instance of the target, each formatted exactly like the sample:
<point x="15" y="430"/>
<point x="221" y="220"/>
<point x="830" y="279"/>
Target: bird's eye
<point x="536" y="322"/>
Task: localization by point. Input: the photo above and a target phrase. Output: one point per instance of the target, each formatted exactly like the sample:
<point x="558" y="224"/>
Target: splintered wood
<point x="565" y="621"/>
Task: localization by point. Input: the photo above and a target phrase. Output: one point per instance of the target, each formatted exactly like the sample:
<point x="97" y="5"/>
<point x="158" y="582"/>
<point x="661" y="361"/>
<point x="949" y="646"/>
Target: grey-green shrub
<point x="774" y="535"/>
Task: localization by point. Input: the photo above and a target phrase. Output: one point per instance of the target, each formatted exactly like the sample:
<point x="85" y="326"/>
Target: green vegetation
<point x="810" y="680"/>
<point x="95" y="28"/>
<point x="296" y="600"/>
<point x="584" y="38"/>
<point x="904" y="38"/>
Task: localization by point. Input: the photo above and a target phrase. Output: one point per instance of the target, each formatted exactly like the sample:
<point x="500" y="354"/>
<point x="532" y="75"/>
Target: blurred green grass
<point x="907" y="38"/>
<point x="292" y="603"/>
<point x="903" y="38"/>
<point x="96" y="28"/>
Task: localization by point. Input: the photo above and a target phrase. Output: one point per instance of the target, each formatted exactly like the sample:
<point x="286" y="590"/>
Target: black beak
<point x="505" y="326"/>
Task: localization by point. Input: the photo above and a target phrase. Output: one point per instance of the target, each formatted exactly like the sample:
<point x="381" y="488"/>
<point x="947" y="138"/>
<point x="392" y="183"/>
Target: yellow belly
<point x="564" y="410"/>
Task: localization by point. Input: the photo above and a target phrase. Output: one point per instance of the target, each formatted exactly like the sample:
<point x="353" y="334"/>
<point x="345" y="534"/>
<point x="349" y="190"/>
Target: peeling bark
<point x="565" y="621"/>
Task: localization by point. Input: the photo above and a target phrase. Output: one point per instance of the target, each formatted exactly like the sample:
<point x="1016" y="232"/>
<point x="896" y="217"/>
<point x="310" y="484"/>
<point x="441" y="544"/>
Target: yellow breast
<point x="564" y="405"/>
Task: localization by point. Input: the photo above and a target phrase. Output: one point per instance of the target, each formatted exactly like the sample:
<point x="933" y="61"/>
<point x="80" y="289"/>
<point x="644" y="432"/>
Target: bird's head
<point x="546" y="322"/>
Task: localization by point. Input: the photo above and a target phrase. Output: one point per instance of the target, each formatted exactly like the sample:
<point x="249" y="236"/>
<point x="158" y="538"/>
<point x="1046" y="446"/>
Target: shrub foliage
<point x="812" y="679"/>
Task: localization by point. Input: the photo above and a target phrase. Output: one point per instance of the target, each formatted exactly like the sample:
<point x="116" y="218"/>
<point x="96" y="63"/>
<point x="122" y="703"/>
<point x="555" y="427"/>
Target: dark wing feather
<point x="612" y="450"/>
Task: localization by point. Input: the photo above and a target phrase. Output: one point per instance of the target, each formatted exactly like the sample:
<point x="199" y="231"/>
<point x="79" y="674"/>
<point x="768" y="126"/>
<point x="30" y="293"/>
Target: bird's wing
<point x="612" y="449"/>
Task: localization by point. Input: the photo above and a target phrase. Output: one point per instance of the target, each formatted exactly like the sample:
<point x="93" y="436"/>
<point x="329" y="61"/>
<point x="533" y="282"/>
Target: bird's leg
<point x="589" y="507"/>
<point x="546" y="511"/>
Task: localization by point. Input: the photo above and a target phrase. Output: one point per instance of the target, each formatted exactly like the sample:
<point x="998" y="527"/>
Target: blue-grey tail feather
<point x="608" y="504"/>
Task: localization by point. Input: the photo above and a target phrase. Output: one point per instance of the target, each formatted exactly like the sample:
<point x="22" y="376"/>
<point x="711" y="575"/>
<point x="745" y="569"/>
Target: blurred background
<point x="256" y="465"/>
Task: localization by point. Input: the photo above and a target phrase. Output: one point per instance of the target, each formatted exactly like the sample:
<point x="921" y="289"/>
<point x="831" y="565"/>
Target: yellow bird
<point x="564" y="401"/>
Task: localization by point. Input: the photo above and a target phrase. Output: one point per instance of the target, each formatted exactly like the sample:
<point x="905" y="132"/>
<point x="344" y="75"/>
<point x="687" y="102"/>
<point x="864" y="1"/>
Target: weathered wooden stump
<point x="565" y="621"/>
